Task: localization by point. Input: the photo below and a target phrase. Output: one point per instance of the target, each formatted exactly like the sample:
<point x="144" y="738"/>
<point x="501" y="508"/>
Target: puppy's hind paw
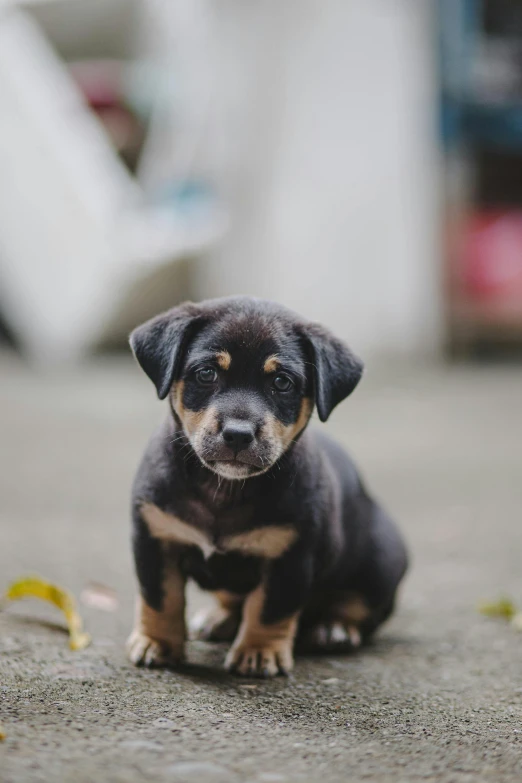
<point x="142" y="650"/>
<point x="214" y="625"/>
<point x="331" y="637"/>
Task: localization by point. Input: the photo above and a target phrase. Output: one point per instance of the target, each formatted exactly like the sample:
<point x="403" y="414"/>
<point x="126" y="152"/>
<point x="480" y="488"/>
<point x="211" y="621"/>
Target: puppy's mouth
<point x="233" y="468"/>
<point x="237" y="467"/>
<point x="222" y="460"/>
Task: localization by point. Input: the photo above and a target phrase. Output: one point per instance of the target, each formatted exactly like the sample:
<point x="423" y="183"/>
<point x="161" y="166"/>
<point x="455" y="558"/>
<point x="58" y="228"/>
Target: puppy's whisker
<point x="181" y="444"/>
<point x="178" y="438"/>
<point x="217" y="488"/>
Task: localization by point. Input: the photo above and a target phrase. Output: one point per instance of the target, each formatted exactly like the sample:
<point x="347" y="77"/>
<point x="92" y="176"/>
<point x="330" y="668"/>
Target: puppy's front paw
<point x="153" y="653"/>
<point x="260" y="660"/>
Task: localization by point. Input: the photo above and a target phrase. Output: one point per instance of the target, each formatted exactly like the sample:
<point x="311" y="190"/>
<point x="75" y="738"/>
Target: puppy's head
<point x="243" y="376"/>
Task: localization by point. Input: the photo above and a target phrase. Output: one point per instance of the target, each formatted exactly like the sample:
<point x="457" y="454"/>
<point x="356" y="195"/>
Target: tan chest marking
<point x="168" y="527"/>
<point x="270" y="542"/>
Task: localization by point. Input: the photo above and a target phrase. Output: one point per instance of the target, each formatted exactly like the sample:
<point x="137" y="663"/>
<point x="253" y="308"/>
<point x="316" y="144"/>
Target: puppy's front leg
<point x="264" y="644"/>
<point x="158" y="638"/>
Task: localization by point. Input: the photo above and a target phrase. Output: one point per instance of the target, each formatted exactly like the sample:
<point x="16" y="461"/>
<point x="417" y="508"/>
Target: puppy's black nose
<point x="238" y="434"/>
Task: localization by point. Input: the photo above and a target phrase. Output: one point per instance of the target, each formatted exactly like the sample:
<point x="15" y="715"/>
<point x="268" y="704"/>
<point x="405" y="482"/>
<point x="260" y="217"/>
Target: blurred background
<point x="357" y="160"/>
<point x="360" y="162"/>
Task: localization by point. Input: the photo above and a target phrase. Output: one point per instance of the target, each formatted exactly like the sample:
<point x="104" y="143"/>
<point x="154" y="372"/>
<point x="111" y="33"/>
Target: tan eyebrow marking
<point x="224" y="359"/>
<point x="271" y="364"/>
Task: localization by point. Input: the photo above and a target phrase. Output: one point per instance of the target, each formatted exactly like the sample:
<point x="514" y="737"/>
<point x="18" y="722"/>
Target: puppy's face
<point x="243" y="394"/>
<point x="243" y="376"/>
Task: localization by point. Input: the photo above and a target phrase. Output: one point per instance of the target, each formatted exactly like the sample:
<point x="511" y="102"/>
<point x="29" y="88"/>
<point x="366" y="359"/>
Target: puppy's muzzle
<point x="237" y="435"/>
<point x="236" y="442"/>
<point x="235" y="447"/>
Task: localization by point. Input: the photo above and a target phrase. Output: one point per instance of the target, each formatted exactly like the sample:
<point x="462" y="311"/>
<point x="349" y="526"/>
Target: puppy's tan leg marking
<point x="158" y="638"/>
<point x="262" y="650"/>
<point x="218" y="623"/>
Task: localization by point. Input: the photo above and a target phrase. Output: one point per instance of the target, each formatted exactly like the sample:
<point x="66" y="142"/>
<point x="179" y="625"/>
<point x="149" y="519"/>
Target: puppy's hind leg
<point x="382" y="571"/>
<point x="346" y="618"/>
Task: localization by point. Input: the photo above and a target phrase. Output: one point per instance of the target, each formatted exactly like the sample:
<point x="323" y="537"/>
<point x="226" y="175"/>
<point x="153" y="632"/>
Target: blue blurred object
<point x="487" y="125"/>
<point x="493" y="126"/>
<point x="466" y="115"/>
<point x="189" y="199"/>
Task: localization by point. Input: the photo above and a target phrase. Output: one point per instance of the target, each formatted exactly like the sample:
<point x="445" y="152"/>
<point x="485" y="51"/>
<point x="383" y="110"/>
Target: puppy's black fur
<point x="235" y="493"/>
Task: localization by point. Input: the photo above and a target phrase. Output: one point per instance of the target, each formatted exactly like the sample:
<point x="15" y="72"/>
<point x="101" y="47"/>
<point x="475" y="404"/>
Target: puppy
<point x="235" y="493"/>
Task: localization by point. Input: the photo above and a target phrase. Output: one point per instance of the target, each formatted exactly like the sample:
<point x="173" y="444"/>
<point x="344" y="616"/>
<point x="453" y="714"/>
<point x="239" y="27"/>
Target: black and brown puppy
<point x="233" y="493"/>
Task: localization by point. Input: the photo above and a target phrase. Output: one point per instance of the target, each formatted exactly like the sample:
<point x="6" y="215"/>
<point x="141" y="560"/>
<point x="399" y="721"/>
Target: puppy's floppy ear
<point x="159" y="344"/>
<point x="337" y="371"/>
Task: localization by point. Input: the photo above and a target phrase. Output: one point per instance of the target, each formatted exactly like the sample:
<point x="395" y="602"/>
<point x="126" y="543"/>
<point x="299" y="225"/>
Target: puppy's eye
<point x="282" y="383"/>
<point x="207" y="376"/>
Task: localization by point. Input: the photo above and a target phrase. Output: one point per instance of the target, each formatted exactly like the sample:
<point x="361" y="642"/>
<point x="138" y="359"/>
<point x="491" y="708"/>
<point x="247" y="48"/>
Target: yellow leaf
<point x="504" y="608"/>
<point x="34" y="587"/>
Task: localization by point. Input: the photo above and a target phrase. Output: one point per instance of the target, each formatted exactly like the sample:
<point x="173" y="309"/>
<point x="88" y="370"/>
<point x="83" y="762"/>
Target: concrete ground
<point x="438" y="696"/>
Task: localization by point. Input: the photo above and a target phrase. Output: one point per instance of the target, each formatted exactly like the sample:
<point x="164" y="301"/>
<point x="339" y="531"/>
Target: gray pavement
<point x="438" y="696"/>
